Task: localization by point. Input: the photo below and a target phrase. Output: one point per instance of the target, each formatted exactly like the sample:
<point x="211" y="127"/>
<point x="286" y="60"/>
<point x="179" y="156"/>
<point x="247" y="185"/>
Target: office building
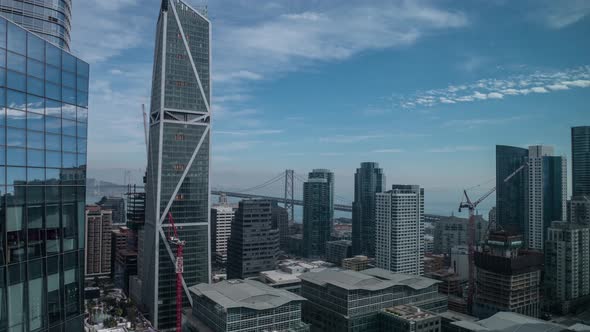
<point x="400" y="229"/>
<point x="510" y="321"/>
<point x="244" y="305"/>
<point x="546" y="193"/>
<point x="336" y="251"/>
<point x="460" y="261"/>
<point x="98" y="240"/>
<point x="579" y="210"/>
<point x="492" y="218"/>
<point x="318" y="212"/>
<point x="342" y="300"/>
<point x="567" y="266"/>
<point x="581" y="161"/>
<point x="253" y="245"/>
<point x="356" y="263"/>
<point x="510" y="196"/>
<point x="452" y="231"/>
<point x="407" y="318"/>
<point x="121" y="238"/>
<point x="296" y="245"/>
<point x="44" y="92"/>
<point x="507" y="277"/>
<point x="117" y="205"/>
<point x="368" y="180"/>
<point x="49" y="19"/>
<point x="178" y="159"/>
<point x="280" y="217"/>
<point x="222" y="217"/>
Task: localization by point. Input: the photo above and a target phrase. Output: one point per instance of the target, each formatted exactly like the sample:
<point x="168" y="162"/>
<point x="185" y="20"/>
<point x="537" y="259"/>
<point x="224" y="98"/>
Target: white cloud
<point x="240" y="75"/>
<point x="388" y="151"/>
<point x="557" y="87"/>
<point x="495" y="95"/>
<point x="578" y="83"/>
<point x="474" y="123"/>
<point x="539" y="89"/>
<point x="560" y="14"/>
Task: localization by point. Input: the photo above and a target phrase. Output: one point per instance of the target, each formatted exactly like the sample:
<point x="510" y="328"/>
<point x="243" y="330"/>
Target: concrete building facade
<point x="407" y="318"/>
<point x="253" y="244"/>
<point x="452" y="231"/>
<point x="222" y="217"/>
<point x="98" y="241"/>
<point x="399" y="237"/>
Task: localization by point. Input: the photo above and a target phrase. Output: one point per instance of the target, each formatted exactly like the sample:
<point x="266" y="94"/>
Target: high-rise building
<point x="245" y="305"/>
<point x="567" y="265"/>
<point x="344" y="300"/>
<point x="546" y="193"/>
<point x="222" y="217"/>
<point x="508" y="278"/>
<point x="492" y="216"/>
<point x="336" y="251"/>
<point x="399" y="221"/>
<point x="49" y="19"/>
<point x="318" y="212"/>
<point x="98" y="241"/>
<point x="44" y="92"/>
<point x="368" y="180"/>
<point x="581" y="161"/>
<point x="579" y="210"/>
<point x="280" y="217"/>
<point x="178" y="159"/>
<point x="510" y="196"/>
<point x="254" y="243"/>
<point x="117" y="205"/>
<point x="452" y="231"/>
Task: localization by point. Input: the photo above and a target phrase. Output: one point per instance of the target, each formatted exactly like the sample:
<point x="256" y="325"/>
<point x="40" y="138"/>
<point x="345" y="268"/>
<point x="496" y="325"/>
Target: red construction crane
<point x="173" y="239"/>
<point x="468" y="204"/>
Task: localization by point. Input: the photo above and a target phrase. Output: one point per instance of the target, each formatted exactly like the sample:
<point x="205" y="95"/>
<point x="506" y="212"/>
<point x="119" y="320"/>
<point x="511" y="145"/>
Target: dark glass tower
<point x="43" y="125"/>
<point x="510" y="196"/>
<point x="50" y="19"/>
<point x="318" y="212"/>
<point x="178" y="159"/>
<point x="581" y="161"/>
<point x="368" y="180"/>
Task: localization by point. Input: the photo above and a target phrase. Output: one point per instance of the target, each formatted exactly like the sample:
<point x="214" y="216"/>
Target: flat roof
<point x="371" y="279"/>
<point x="511" y="322"/>
<point x="409" y="312"/>
<point x="249" y="294"/>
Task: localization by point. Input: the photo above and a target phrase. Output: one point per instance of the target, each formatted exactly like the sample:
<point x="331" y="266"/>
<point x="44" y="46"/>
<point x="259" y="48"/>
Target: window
<point x="179" y="167"/>
<point x="179" y="197"/>
<point x="179" y="137"/>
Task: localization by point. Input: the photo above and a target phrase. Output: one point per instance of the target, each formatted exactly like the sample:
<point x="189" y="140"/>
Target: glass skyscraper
<point x="318" y="212"/>
<point x="50" y="19"/>
<point x="178" y="159"/>
<point x="510" y="196"/>
<point x="581" y="161"/>
<point x="43" y="125"/>
<point x="368" y="180"/>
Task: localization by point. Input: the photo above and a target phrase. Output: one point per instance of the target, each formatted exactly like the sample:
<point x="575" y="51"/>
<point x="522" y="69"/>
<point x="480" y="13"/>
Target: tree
<point x="109" y="322"/>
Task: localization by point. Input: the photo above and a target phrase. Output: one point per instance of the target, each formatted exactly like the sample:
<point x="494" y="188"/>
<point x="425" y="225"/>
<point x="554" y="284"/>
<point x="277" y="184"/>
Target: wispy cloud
<point x="453" y="149"/>
<point x="234" y="146"/>
<point x="491" y="88"/>
<point x="348" y="138"/>
<point x="474" y="123"/>
<point x="560" y="14"/>
<point x="388" y="151"/>
<point x="252" y="132"/>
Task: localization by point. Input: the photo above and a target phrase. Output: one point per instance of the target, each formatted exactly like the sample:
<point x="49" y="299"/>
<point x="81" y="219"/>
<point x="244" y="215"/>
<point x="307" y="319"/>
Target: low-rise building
<point x="344" y="300"/>
<point x="510" y="321"/>
<point x="244" y="305"/>
<point x="336" y="251"/>
<point x="407" y="318"/>
<point x="286" y="276"/>
<point x="356" y="263"/>
<point x="433" y="263"/>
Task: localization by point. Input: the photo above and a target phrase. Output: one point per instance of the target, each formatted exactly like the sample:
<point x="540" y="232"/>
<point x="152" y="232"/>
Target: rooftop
<point x="409" y="312"/>
<point x="371" y="279"/>
<point x="512" y="322"/>
<point x="245" y="294"/>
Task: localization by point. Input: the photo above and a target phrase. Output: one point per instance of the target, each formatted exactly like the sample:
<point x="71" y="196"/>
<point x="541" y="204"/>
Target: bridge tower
<point x="289" y="197"/>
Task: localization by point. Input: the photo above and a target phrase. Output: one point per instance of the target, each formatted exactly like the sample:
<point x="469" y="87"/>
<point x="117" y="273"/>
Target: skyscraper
<point x="546" y="193"/>
<point x="318" y="212"/>
<point x="368" y="180"/>
<point x="254" y="243"/>
<point x="399" y="224"/>
<point x="49" y="19"/>
<point x="99" y="223"/>
<point x="581" y="161"/>
<point x="117" y="205"/>
<point x="567" y="265"/>
<point x="178" y="159"/>
<point x="510" y="195"/>
<point x="222" y="217"/>
<point x="44" y="92"/>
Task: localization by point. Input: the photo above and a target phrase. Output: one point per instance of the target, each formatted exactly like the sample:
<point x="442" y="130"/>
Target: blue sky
<point x="425" y="88"/>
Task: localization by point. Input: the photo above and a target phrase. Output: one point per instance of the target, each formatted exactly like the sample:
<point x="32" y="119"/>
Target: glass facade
<point x="581" y="161"/>
<point x="50" y="19"/>
<point x="43" y="126"/>
<point x="318" y="212"/>
<point x="368" y="180"/>
<point x="510" y="196"/>
<point x="178" y="159"/>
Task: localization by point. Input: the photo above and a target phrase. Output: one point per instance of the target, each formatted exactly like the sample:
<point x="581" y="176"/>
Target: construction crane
<point x="471" y="206"/>
<point x="173" y="239"/>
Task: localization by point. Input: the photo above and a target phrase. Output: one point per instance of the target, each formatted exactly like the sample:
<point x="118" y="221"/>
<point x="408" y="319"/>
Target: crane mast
<point x="471" y="206"/>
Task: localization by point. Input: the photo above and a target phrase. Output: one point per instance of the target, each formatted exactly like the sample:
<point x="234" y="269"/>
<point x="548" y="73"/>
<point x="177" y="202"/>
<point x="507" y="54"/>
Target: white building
<point x="399" y="222"/>
<point x="460" y="261"/>
<point x="567" y="264"/>
<point x="221" y="219"/>
<point x="547" y="193"/>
